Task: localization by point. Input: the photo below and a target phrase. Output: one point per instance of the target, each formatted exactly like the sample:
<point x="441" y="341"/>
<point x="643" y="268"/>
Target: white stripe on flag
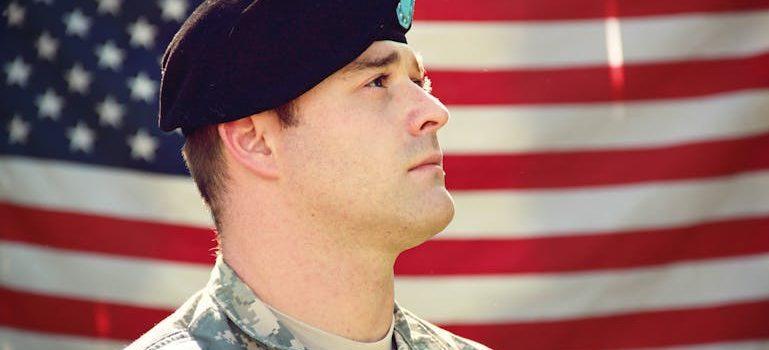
<point x="587" y="210"/>
<point x="531" y="44"/>
<point x="66" y="273"/>
<point x="473" y="129"/>
<point x="485" y="299"/>
<point x="479" y="299"/>
<point x="101" y="190"/>
<point x="501" y="213"/>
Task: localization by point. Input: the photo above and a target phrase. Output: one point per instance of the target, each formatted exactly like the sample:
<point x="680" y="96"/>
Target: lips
<point x="435" y="159"/>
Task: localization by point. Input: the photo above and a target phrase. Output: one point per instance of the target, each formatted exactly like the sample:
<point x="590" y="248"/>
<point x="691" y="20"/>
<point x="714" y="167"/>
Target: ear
<point x="250" y="142"/>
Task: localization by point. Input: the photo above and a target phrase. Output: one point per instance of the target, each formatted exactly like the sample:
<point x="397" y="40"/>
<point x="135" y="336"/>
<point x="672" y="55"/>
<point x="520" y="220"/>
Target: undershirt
<point x="317" y="339"/>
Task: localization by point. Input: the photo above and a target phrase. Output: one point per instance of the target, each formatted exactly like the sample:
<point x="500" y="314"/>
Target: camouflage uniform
<point x="227" y="315"/>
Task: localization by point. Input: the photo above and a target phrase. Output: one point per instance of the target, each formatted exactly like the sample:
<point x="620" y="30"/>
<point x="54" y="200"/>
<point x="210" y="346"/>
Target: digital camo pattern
<point x="412" y="332"/>
<point x="227" y="315"/>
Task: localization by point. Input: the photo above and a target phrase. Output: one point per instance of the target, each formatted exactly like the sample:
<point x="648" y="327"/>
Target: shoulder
<point x="186" y="341"/>
<point x="153" y="340"/>
<point x="173" y="332"/>
<point x="198" y="324"/>
<point x="421" y="334"/>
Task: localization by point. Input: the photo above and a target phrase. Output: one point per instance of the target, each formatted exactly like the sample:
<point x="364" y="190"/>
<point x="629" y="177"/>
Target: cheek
<point x="318" y="157"/>
<point x="349" y="158"/>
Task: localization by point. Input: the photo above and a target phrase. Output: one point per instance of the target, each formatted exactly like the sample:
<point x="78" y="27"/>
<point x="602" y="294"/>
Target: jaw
<point x="428" y="219"/>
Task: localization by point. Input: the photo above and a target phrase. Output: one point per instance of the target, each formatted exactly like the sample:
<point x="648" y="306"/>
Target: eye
<point x="378" y="82"/>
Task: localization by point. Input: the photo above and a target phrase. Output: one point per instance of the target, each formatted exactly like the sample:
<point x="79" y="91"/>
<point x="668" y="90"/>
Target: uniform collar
<point x="254" y="318"/>
<point x="248" y="312"/>
<point x="411" y="332"/>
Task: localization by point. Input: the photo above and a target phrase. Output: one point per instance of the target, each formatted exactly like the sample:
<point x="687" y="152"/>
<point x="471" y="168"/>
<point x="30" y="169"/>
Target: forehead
<point x="381" y="54"/>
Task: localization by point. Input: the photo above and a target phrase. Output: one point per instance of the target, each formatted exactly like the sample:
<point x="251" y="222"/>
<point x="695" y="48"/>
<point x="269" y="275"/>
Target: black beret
<point x="235" y="58"/>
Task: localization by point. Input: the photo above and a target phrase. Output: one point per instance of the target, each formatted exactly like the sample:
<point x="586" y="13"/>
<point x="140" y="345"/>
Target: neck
<point x="344" y="289"/>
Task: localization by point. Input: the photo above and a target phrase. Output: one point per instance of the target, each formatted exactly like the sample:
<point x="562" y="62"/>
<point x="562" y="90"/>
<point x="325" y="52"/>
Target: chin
<point x="433" y="218"/>
<point x="443" y="214"/>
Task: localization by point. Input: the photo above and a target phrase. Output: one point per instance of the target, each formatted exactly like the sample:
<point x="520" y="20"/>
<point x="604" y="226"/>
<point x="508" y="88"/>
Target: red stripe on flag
<point x="506" y="10"/>
<point x="90" y="318"/>
<point x="606" y="167"/>
<point x="606" y="250"/>
<point x="594" y="83"/>
<point x="103" y="234"/>
<point x="587" y="252"/>
<point x="735" y="321"/>
<point x="646" y="329"/>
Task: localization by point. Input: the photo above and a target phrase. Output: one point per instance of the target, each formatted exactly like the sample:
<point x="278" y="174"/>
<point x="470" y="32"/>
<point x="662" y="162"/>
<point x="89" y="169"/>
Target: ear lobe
<point x="249" y="143"/>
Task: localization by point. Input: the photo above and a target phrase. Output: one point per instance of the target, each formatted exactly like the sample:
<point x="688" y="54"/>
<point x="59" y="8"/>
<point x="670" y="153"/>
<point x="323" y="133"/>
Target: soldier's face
<point x="350" y="161"/>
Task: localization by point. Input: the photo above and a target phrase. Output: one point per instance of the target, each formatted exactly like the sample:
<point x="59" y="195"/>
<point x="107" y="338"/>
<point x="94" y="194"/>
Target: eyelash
<point x="425" y="84"/>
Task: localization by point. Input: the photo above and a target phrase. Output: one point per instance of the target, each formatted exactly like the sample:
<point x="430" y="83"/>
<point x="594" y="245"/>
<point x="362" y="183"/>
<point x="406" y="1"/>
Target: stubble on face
<point x="347" y="162"/>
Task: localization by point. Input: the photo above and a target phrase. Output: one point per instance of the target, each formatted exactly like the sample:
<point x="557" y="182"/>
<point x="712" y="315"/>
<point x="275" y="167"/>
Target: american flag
<point x="608" y="160"/>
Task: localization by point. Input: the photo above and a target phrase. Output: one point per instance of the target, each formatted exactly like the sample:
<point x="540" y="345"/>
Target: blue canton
<point x="79" y="81"/>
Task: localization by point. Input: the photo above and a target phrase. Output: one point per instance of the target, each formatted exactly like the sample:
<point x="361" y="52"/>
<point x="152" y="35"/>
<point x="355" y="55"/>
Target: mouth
<point x="431" y="162"/>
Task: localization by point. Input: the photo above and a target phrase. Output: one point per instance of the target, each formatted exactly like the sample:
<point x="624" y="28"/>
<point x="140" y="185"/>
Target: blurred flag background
<point x="608" y="160"/>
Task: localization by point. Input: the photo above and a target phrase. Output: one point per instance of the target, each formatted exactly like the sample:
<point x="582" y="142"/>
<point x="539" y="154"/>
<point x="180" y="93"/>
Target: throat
<point x="347" y="293"/>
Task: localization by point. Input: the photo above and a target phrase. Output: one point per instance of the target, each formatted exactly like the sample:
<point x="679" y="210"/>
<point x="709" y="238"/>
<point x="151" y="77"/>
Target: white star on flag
<point x="47" y="46"/>
<point x="77" y="23"/>
<point x="81" y="138"/>
<point x="17" y="72"/>
<point x="142" y="33"/>
<point x="110" y="112"/>
<point x="78" y="79"/>
<point x="142" y="88"/>
<point x="173" y="9"/>
<point x="110" y="56"/>
<point x="49" y="105"/>
<point x="15" y="14"/>
<point x="143" y="146"/>
<point x="18" y="130"/>
<point x="109" y="6"/>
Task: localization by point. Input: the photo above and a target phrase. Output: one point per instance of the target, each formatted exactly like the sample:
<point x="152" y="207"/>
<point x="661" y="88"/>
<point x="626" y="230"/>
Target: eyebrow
<point x="365" y="64"/>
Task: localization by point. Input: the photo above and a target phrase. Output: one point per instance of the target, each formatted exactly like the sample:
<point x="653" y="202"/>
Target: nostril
<point x="428" y="124"/>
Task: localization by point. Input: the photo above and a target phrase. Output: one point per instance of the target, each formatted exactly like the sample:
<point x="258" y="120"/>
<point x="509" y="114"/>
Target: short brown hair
<point x="202" y="152"/>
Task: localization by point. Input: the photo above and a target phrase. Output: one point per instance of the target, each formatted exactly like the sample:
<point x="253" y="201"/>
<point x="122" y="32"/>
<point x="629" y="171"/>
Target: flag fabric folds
<point x="608" y="159"/>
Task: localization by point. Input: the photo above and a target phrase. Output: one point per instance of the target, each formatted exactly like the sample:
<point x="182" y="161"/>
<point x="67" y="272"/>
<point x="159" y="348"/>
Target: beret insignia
<point x="405" y="12"/>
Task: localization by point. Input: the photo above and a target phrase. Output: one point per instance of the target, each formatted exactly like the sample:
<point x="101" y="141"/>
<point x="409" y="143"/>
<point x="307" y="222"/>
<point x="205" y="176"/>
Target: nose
<point x="428" y="114"/>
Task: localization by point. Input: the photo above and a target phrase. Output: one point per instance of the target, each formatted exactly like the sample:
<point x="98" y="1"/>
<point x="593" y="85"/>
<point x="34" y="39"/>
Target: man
<point x="311" y="134"/>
